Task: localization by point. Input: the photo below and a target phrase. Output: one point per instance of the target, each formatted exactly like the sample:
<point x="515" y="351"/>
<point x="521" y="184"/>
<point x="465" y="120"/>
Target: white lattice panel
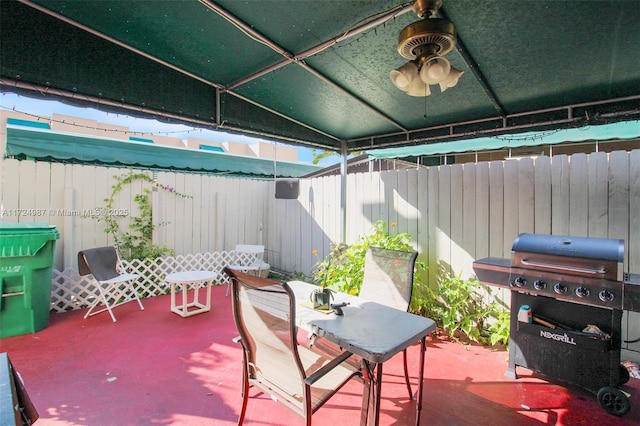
<point x="71" y="291"/>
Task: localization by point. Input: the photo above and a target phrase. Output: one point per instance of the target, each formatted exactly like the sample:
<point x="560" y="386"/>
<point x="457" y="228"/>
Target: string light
<point x="102" y="128"/>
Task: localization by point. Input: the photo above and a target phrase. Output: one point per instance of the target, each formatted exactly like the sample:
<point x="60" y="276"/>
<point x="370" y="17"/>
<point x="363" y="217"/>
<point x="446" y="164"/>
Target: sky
<point x="25" y="104"/>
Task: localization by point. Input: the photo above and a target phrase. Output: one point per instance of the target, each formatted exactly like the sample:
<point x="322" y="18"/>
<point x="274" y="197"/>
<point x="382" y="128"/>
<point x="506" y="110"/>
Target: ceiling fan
<point x="425" y="43"/>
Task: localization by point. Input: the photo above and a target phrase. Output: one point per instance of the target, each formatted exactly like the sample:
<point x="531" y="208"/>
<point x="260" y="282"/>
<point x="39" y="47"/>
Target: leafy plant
<point x="343" y="269"/>
<point x="500" y="328"/>
<point x="458" y="305"/>
<point x="137" y="243"/>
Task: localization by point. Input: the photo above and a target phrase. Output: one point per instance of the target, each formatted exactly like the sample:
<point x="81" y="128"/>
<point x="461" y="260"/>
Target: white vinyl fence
<point x="455" y="213"/>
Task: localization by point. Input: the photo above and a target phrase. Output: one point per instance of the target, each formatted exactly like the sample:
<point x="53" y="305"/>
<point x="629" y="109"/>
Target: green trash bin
<point x="26" y="258"/>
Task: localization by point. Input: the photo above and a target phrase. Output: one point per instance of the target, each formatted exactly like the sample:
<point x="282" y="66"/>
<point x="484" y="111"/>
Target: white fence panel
<point x="475" y="208"/>
<point x="456" y="213"/>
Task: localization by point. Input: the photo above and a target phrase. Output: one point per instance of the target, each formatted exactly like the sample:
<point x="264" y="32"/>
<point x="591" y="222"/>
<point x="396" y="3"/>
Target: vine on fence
<point x="137" y="243"/>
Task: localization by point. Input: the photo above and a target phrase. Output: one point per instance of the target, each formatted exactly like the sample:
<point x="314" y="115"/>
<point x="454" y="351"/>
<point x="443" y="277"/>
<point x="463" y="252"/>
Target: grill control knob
<point x="560" y="288"/>
<point x="520" y="282"/>
<point x="582" y="292"/>
<point x="539" y="285"/>
<point x="606" y="296"/>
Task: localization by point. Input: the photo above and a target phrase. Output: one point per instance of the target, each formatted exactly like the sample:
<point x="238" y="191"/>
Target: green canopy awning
<point x="623" y="130"/>
<point x="48" y="145"/>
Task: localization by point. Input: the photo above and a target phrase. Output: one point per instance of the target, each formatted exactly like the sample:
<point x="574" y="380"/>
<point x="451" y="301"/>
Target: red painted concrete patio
<point x="154" y="367"/>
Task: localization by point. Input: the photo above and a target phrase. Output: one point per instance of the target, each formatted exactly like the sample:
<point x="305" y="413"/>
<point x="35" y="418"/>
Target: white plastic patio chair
<point x="248" y="259"/>
<point x="115" y="286"/>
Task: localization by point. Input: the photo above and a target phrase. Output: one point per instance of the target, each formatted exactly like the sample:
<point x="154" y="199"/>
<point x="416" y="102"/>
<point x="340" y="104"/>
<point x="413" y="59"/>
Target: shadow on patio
<point x="153" y="367"/>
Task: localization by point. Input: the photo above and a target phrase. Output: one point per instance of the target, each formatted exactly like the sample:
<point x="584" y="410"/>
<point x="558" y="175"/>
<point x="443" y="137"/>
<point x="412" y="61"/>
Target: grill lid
<point x="589" y="257"/>
<point x="580" y="247"/>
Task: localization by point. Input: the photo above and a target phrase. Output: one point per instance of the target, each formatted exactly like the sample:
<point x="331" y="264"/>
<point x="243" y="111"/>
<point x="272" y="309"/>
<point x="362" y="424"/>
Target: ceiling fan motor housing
<point x="436" y="33"/>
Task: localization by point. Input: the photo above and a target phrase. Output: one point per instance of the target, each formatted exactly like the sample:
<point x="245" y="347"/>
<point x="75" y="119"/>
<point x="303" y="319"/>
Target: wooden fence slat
<point x="542" y="196"/>
<point x="27" y="191"/>
<point x="497" y="210"/>
<point x="482" y="210"/>
<point x="433" y="220"/>
<point x="422" y="220"/>
<point x="526" y="198"/>
<point x="458" y="258"/>
<point x="598" y="194"/>
<point x="619" y="197"/>
<point x="560" y="195"/>
<point x="10" y="189"/>
<point x="413" y="212"/>
<point x="469" y="216"/>
<point x="443" y="227"/>
<point x="579" y="195"/>
<point x="511" y="203"/>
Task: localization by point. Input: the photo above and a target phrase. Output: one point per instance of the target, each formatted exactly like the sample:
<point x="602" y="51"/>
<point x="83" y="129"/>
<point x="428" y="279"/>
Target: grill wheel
<point x="613" y="401"/>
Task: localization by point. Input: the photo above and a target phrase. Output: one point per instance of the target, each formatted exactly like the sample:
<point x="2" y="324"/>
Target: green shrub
<point x="343" y="269"/>
<point x="457" y="305"/>
<point x="460" y="305"/>
<point x="501" y="327"/>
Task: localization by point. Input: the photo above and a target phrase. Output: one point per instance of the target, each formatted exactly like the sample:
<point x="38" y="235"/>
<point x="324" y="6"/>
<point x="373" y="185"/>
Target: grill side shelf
<point x="493" y="271"/>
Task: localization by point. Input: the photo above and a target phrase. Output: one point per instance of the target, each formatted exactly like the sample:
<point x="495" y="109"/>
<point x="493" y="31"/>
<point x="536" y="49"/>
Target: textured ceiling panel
<point x="317" y="72"/>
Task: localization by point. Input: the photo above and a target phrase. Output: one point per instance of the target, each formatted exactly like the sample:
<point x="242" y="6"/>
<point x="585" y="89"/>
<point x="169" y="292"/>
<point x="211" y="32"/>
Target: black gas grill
<point x="576" y="290"/>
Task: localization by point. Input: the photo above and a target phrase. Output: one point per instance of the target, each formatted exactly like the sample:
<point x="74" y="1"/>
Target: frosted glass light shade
<point x="403" y="76"/>
<point x="434" y="70"/>
<point x="418" y="88"/>
<point x="451" y="80"/>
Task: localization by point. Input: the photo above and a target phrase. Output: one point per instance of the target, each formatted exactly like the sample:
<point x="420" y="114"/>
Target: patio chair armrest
<point x="327" y="368"/>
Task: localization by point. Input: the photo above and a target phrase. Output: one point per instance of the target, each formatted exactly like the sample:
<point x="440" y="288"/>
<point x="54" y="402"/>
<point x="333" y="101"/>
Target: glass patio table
<point x="372" y="331"/>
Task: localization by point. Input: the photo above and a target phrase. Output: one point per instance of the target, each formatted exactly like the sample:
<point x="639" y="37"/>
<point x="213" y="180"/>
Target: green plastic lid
<point x="25" y="239"/>
<point x="26" y="227"/>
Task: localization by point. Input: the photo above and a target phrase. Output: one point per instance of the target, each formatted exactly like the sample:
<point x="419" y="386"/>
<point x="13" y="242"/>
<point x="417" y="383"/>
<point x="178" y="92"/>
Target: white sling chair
<point x="115" y="286"/>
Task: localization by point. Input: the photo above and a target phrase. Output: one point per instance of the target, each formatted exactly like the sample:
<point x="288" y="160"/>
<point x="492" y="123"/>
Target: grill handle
<point x="564" y="268"/>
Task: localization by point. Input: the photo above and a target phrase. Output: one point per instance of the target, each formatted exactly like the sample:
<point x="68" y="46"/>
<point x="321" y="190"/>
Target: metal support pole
<point x="343" y="192"/>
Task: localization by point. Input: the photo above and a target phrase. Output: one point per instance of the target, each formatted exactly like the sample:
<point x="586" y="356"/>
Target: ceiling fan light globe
<point x="399" y="80"/>
<point x="403" y="76"/>
<point x="451" y="80"/>
<point x="418" y="88"/>
<point x="435" y="70"/>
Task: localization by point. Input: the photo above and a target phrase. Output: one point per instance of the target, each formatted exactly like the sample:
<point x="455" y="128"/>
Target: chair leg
<point x="105" y="300"/>
<point x="113" y="317"/>
<point x="107" y="305"/>
<point x="406" y="374"/>
<point x="125" y="289"/>
<point x="245" y="395"/>
<point x="133" y="291"/>
<point x="140" y="303"/>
